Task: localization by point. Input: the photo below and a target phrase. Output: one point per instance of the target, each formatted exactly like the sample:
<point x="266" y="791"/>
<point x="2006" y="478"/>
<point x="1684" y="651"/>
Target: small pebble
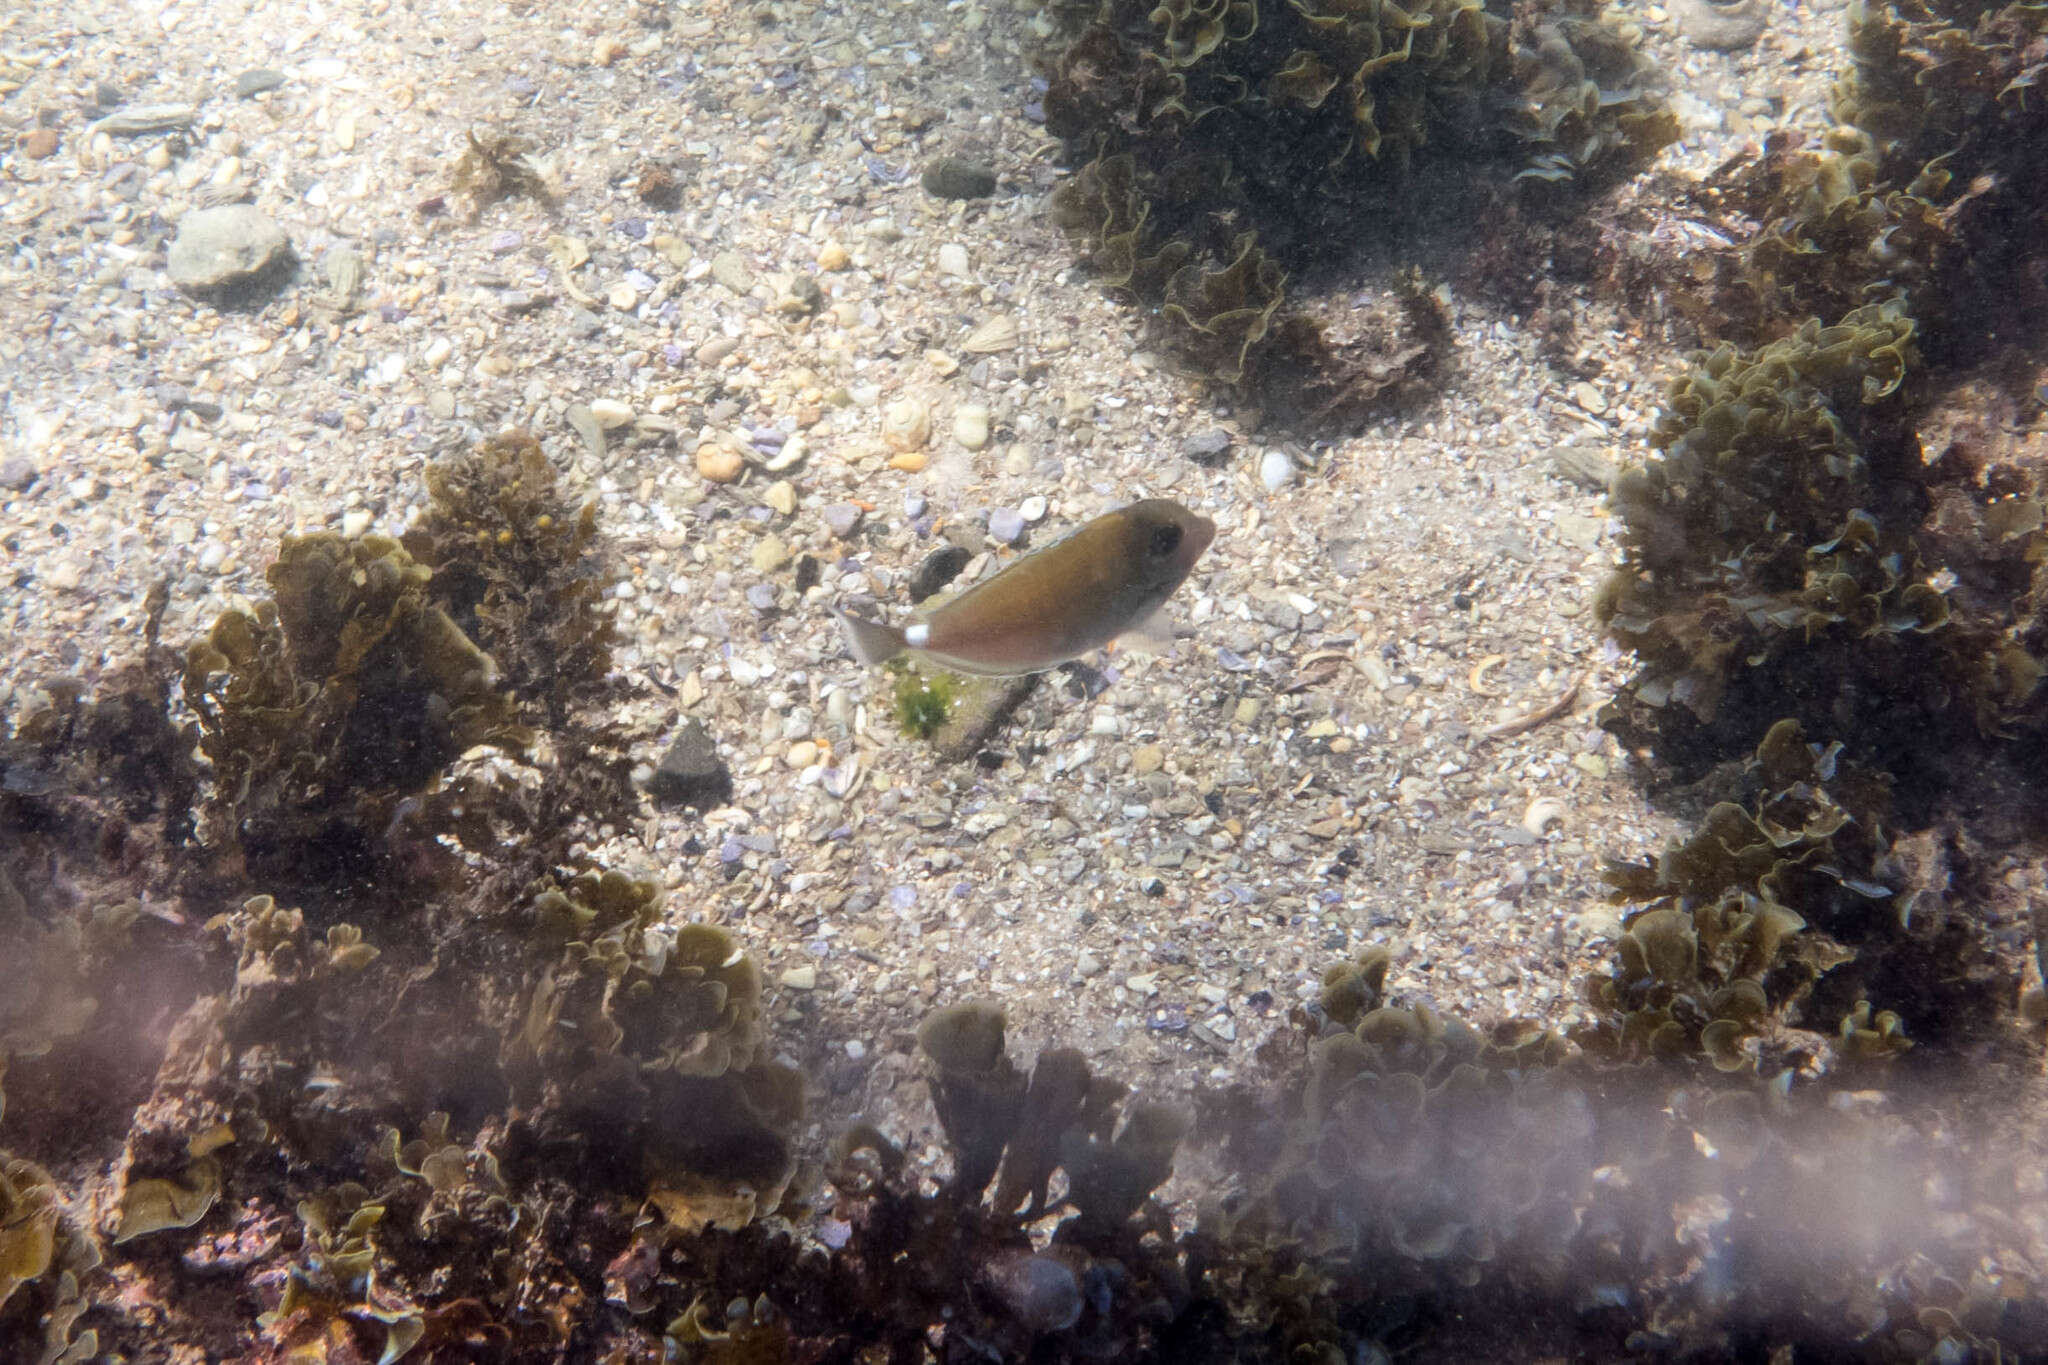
<point x="1032" y="509"/>
<point x="40" y="144"/>
<point x="833" y="256"/>
<point x="716" y="349"/>
<point x="1276" y="470"/>
<point x="970" y="425"/>
<point x="906" y="426"/>
<point x="1005" y="525"/>
<point x="802" y="978"/>
<point x="610" y="413"/>
<point x="1147" y="758"/>
<point x="781" y="496"/>
<point x="953" y="261"/>
<point x="730" y="270"/>
<point x="250" y="84"/>
<point x="623" y="297"/>
<point x="587" y="428"/>
<point x="803" y="754"/>
<point x="718" y="462"/>
<point x="355" y="523"/>
<point x="956" y="177"/>
<point x="769" y="554"/>
<point x="842" y="519"/>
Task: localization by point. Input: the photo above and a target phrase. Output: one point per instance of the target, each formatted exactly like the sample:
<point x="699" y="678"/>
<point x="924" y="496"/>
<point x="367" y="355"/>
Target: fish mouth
<point x="1195" y="538"/>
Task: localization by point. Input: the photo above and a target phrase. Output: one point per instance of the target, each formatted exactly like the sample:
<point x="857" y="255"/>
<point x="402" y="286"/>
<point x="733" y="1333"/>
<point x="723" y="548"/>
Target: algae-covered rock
<point x="323" y="708"/>
<point x="1219" y="146"/>
<point x="514" y="565"/>
<point x="1060" y="1116"/>
<point x="1769" y="547"/>
<point x="652" y="1039"/>
<point x="28" y="1224"/>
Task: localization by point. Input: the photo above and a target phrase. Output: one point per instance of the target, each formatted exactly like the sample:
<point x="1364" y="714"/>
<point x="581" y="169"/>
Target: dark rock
<point x="940" y="567"/>
<point x="691" y="773"/>
<point x="955" y="177"/>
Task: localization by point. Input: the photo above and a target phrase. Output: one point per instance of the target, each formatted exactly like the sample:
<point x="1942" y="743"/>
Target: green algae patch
<point x="923" y="702"/>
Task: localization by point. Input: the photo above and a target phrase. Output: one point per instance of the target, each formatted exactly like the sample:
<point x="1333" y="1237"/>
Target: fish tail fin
<point x="871" y="642"/>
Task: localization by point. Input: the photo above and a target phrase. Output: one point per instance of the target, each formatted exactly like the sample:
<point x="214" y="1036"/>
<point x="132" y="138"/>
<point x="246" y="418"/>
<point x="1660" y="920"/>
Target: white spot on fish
<point x="916" y="636"/>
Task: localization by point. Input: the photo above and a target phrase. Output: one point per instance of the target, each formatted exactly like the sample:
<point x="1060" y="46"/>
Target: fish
<point x="1055" y="604"/>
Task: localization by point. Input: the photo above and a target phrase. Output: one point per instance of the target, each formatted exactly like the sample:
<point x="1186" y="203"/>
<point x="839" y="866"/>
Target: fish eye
<point x="1165" y="540"/>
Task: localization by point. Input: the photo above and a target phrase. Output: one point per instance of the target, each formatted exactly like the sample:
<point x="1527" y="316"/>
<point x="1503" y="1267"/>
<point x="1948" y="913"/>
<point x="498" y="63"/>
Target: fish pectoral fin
<point x="871" y="642"/>
<point x="1151" y="635"/>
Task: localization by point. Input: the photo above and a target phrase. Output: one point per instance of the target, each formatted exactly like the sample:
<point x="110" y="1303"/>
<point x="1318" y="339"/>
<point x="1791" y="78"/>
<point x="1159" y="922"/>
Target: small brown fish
<point x="1054" y="604"/>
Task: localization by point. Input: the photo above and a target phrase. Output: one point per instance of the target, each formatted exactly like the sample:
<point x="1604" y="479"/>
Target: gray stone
<point x="1721" y="25"/>
<point x="229" y="248"/>
<point x="956" y="177"/>
<point x="730" y="270"/>
<point x="843" y="518"/>
<point x="1205" y="447"/>
<point x="250" y="84"/>
<point x="135" y="119"/>
<point x="17" y="472"/>
<point x="1586" y="466"/>
<point x="691" y="773"/>
<point x="585" y="424"/>
<point x="343" y="267"/>
<point x="1006" y="524"/>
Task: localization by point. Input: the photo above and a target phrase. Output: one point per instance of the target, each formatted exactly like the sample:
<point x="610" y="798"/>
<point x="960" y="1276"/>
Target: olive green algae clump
<point x="1768" y="550"/>
<point x="322" y="709"/>
<point x="1221" y="145"/>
